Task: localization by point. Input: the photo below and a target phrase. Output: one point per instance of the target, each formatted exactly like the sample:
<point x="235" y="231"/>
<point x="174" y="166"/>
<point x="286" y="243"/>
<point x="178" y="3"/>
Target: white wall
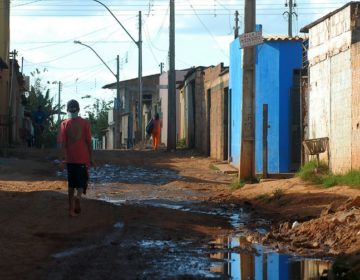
<point x="330" y="88"/>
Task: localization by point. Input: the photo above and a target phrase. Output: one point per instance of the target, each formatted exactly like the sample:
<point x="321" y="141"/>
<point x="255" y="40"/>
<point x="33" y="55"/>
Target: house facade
<point x="193" y="111"/>
<point x="277" y="79"/>
<point x="216" y="87"/>
<point x="162" y="104"/>
<point x="4" y="71"/>
<point x="126" y="116"/>
<point x="333" y="100"/>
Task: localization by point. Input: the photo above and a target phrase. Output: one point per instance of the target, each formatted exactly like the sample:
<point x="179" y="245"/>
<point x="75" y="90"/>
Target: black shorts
<point x="78" y="176"/>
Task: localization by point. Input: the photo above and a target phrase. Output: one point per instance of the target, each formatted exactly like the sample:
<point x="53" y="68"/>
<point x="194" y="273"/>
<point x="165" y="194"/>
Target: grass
<point x="181" y="143"/>
<point x="213" y="167"/>
<point x="320" y="175"/>
<point x="277" y="194"/>
<point x="238" y="184"/>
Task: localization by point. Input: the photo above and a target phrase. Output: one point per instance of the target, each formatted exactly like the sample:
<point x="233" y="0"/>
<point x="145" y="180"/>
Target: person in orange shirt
<point x="155" y="133"/>
<point x="76" y="152"/>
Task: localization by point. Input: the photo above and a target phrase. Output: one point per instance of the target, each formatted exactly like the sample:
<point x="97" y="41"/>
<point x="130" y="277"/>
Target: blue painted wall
<point x="235" y="98"/>
<point x="275" y="62"/>
<point x="278" y="267"/>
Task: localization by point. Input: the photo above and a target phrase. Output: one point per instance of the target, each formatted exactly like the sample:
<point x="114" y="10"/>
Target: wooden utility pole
<point x="171" y="141"/>
<point x="247" y="145"/>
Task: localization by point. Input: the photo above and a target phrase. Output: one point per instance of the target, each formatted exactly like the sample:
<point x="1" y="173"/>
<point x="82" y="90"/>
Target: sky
<point x="43" y="34"/>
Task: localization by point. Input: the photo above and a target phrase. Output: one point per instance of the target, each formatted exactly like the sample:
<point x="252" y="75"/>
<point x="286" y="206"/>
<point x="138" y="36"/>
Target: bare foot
<point x="77" y="209"/>
<point x="73" y="214"/>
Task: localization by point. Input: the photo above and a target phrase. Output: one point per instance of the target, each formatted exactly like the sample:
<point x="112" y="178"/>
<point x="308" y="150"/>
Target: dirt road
<point x="159" y="215"/>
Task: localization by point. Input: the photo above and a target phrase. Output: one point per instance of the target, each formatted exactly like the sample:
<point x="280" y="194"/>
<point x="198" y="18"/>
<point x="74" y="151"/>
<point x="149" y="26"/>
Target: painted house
<point x="128" y="111"/>
<point x="333" y="100"/>
<point x="162" y="104"/>
<point x="277" y="76"/>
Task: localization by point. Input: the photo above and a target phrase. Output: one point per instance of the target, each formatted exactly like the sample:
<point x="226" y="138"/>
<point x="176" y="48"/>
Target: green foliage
<point x="313" y="173"/>
<point x="238" y="184"/>
<point x="39" y="95"/>
<point x="213" y="167"/>
<point x="320" y="175"/>
<point x="181" y="143"/>
<point x="98" y="116"/>
<point x="277" y="194"/>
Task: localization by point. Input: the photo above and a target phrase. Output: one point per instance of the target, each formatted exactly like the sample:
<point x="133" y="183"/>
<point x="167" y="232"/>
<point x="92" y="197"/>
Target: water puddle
<point x="108" y="173"/>
<point x="237" y="258"/>
<point x="230" y="257"/>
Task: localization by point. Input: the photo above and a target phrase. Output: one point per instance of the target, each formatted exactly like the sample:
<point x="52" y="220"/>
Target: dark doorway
<point x="208" y="122"/>
<point x="295" y="129"/>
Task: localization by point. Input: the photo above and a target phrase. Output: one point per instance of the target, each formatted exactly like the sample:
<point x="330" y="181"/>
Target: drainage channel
<point x="226" y="257"/>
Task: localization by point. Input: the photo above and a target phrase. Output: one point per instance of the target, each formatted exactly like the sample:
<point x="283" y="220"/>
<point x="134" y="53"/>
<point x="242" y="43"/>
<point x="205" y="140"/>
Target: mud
<point x="158" y="215"/>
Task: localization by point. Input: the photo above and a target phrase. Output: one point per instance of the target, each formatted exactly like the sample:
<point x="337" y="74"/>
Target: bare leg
<point x="77" y="207"/>
<point x="71" y="192"/>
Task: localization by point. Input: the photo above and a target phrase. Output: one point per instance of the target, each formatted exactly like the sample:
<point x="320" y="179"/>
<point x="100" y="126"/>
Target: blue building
<point x="277" y="76"/>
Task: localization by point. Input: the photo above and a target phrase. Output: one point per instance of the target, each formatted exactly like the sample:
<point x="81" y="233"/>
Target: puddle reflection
<point x="238" y="260"/>
<point x="129" y="174"/>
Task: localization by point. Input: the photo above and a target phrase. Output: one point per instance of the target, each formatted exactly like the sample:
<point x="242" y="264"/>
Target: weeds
<point x="320" y="175"/>
<point x="213" y="167"/>
<point x="181" y="143"/>
<point x="277" y="194"/>
<point x="238" y="184"/>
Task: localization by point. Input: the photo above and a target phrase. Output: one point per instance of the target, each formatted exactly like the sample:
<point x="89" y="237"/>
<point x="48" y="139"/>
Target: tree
<point x="98" y="116"/>
<point x="39" y="95"/>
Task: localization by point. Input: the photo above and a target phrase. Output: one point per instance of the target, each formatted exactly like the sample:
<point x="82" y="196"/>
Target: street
<point x="146" y="215"/>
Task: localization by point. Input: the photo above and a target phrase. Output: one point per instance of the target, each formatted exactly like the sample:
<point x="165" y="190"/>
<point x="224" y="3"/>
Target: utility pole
<point x="161" y="65"/>
<point x="236" y="28"/>
<point x="290" y="14"/>
<point x="59" y="97"/>
<point x="247" y="145"/>
<point x="171" y="141"/>
<point x="140" y="77"/>
<point x="117" y="83"/>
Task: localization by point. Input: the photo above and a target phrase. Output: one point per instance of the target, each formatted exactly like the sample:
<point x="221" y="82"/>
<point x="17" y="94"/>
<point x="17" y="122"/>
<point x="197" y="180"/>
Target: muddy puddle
<point x="240" y="259"/>
<point x="129" y="174"/>
<point x="227" y="257"/>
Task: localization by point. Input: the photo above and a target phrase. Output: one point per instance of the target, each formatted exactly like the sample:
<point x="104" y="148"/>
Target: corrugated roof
<point x="306" y="28"/>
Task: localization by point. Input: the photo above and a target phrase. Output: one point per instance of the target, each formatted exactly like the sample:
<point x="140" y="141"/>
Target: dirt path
<point x="37" y="233"/>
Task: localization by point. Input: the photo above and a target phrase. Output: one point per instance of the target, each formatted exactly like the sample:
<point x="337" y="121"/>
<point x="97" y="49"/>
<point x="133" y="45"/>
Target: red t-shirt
<point x="75" y="135"/>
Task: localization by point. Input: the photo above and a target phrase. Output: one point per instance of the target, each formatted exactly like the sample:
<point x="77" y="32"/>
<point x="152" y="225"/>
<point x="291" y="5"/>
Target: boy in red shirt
<point x="76" y="152"/>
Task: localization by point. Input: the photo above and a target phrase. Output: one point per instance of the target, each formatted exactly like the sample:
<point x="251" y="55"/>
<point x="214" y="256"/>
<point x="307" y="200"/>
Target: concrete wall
<point x="194" y="110"/>
<point x="275" y="64"/>
<point x="163" y="96"/>
<point x="217" y="84"/>
<point x="355" y="103"/>
<point x="330" y="93"/>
